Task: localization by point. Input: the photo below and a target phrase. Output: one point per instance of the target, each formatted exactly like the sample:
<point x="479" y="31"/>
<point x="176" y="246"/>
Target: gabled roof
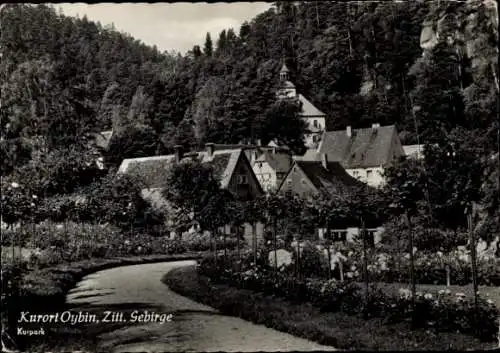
<point x="332" y="179"/>
<point x="279" y="162"/>
<point x="308" y="109"/>
<point x="284" y="68"/>
<point x="369" y="147"/>
<point x="414" y="151"/>
<point x="310" y="155"/>
<point x="153" y="170"/>
<point x="102" y="139"/>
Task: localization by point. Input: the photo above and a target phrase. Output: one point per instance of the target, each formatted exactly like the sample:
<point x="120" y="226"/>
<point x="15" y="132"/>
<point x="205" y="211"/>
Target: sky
<point x="169" y="26"/>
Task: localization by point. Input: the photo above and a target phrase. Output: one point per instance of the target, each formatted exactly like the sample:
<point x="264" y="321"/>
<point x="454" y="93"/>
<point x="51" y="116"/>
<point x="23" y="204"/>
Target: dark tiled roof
<point x="153" y="170"/>
<point x="365" y="148"/>
<point x="332" y="179"/>
<point x="279" y="162"/>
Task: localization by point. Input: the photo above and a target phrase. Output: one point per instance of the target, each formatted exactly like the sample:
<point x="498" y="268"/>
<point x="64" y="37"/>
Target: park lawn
<point x="338" y="329"/>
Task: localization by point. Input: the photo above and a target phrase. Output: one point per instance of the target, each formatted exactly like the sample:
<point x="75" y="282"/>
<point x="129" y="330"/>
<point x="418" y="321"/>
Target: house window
<point x="289" y="183"/>
<point x="315" y="138"/>
<point x="369" y="174"/>
<point x="242" y="179"/>
<point x="315" y="123"/>
<point x="337" y="235"/>
<point x="355" y="174"/>
<point x="266" y="176"/>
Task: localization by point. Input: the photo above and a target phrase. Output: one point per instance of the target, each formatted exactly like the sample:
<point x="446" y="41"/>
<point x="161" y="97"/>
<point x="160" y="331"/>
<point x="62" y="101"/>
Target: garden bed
<point x="337" y="329"/>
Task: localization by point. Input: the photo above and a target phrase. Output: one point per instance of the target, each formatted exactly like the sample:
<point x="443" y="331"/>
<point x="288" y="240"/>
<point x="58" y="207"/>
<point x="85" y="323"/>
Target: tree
<point x="282" y="123"/>
<point x="191" y="187"/>
<point x="208" y="49"/>
<point x="118" y="200"/>
<point x="14" y="152"/>
<point x="131" y="141"/>
<point x="404" y="190"/>
<point x="221" y="44"/>
<point x="359" y="205"/>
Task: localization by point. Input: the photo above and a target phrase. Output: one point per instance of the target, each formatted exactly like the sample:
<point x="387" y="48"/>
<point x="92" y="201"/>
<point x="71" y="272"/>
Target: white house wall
<point x="309" y="140"/>
<point x="266" y="176"/>
<point x="371" y="176"/>
<point x="353" y="232"/>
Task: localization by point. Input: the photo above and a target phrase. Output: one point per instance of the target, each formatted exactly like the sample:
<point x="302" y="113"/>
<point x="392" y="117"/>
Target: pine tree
<point x="208" y="48"/>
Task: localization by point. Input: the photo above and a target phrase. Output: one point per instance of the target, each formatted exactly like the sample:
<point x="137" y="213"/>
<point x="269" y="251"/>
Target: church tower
<point x="287" y="88"/>
<point x="314" y="118"/>
<point x="284" y="73"/>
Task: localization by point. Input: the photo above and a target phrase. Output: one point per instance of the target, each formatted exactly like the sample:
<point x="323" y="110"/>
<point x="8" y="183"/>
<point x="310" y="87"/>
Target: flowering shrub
<point x="310" y="261"/>
<point x="73" y="241"/>
<point x="283" y="257"/>
<point x="442" y="311"/>
<point x="430" y="268"/>
<point x="446" y="311"/>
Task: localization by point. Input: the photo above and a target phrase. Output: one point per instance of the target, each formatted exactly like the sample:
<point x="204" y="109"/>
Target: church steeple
<point x="284" y="72"/>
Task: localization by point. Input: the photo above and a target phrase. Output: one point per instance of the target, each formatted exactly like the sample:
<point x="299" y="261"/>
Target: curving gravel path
<point x="194" y="326"/>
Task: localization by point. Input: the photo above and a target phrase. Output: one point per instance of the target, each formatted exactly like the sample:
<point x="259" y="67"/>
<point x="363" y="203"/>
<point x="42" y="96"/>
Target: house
<point x="270" y="163"/>
<point x="314" y="118"/>
<point x="102" y="139"/>
<point x="271" y="167"/>
<point x="101" y="142"/>
<point x="231" y="166"/>
<point x="414" y="151"/>
<point x="362" y="152"/>
<point x="308" y="178"/>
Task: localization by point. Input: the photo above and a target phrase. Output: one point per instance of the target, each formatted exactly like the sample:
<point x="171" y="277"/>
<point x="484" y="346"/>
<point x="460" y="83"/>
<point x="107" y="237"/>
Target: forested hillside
<point x="428" y="67"/>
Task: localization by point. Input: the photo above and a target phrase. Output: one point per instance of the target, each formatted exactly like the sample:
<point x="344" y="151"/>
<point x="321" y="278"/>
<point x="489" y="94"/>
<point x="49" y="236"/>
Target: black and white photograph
<point x="250" y="176"/>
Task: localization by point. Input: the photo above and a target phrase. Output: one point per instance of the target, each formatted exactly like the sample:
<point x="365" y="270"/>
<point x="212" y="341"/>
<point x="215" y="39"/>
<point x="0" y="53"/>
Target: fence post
<point x="341" y="269"/>
<point x="448" y="270"/>
<point x="254" y="243"/>
<point x="473" y="258"/>
<point x="365" y="263"/>
<point x="412" y="266"/>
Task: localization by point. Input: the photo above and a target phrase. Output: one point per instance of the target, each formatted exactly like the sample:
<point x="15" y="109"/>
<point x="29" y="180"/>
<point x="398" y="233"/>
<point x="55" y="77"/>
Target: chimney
<point x="178" y="153"/>
<point x="375" y="126"/>
<point x="210" y="147"/>
<point x="324" y="161"/>
<point x="349" y="131"/>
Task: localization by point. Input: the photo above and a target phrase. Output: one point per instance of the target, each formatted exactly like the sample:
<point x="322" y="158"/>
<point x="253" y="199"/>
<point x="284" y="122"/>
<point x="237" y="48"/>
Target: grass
<point x="335" y="329"/>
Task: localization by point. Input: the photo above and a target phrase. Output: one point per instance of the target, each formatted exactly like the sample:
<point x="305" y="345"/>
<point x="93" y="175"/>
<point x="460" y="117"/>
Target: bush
<point x="310" y="262"/>
<point x="441" y="312"/>
<point x="447" y="312"/>
<point x="430" y="268"/>
<point x="71" y="241"/>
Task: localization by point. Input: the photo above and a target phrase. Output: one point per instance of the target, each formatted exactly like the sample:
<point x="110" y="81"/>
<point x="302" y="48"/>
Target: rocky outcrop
<point x="469" y="28"/>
